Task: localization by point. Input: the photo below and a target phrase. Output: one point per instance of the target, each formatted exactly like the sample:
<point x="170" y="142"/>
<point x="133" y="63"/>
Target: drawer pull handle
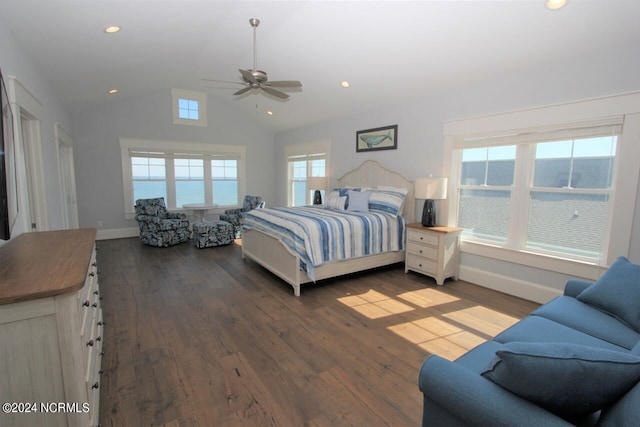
<point x="86" y="303"/>
<point x="96" y="292"/>
<point x="95" y="385"/>
<point x="90" y="343"/>
<point x="99" y="339"/>
<point x="92" y="274"/>
<point x="102" y="353"/>
<point x="94" y="264"/>
<point x="100" y="372"/>
<point x="420" y="250"/>
<point x="100" y="323"/>
<point x="95" y="304"/>
<point x="419" y="265"/>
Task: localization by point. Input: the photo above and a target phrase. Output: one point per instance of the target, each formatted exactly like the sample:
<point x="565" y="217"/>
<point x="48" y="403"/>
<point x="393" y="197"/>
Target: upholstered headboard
<point x="371" y="174"/>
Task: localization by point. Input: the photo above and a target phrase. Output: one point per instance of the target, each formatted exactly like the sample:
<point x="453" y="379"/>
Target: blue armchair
<point x="158" y="227"/>
<point x="236" y="216"/>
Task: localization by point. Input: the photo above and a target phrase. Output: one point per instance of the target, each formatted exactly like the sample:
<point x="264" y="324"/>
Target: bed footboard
<point x="274" y="256"/>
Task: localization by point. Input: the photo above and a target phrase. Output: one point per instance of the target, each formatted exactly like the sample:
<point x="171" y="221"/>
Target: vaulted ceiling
<point x="390" y="51"/>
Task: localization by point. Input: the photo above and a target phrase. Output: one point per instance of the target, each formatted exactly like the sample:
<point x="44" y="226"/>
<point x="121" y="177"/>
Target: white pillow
<point x="358" y="201"/>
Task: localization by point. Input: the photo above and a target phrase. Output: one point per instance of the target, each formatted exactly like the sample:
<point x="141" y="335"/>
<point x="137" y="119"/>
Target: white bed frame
<point x="270" y="253"/>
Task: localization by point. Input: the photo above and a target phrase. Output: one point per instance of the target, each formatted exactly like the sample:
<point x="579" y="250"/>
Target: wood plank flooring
<point x="201" y="337"/>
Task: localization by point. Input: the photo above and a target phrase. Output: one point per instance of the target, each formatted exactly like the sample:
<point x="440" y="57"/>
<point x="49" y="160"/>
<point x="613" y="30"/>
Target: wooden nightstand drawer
<point x="432" y="251"/>
<point x="418" y="237"/>
<point x="421" y="264"/>
<point x="424" y="251"/>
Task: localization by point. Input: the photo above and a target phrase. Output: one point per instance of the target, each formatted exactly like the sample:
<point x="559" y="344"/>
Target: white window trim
<point x="149" y="145"/>
<point x="201" y="97"/>
<point x="306" y="149"/>
<point x="557" y="116"/>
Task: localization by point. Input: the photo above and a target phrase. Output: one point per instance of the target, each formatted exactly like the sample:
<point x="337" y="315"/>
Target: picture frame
<point x="382" y="138"/>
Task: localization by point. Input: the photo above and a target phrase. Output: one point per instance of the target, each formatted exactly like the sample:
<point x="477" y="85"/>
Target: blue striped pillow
<point x="387" y="201"/>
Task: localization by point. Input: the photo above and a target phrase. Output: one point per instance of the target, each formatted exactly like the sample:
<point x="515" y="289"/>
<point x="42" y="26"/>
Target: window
<point x="194" y="173"/>
<point x="544" y="192"/>
<point x="304" y="161"/>
<point x="189" y="107"/>
<point x="224" y="181"/>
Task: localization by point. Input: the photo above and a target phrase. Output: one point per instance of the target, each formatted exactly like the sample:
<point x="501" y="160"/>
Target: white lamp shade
<point x="431" y="188"/>
<point x="317" y="182"/>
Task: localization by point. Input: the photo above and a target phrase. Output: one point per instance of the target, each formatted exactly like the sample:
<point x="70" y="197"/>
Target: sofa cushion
<point x="617" y="292"/>
<point x="583" y="317"/>
<point x="624" y="412"/>
<point x="566" y="379"/>
<point x="539" y="329"/>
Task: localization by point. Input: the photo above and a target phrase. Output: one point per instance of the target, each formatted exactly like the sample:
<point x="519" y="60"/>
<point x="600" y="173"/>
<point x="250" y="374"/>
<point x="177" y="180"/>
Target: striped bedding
<point x="320" y="235"/>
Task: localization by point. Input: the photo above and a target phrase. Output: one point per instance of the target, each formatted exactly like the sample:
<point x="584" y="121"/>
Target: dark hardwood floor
<point x="201" y="337"/>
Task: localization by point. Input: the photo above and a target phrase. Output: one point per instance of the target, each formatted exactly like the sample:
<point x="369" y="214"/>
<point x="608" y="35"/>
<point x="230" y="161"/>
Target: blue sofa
<point x="573" y="361"/>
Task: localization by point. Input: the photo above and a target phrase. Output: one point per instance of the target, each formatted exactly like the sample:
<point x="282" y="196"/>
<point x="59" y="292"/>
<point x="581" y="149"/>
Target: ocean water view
<point x="225" y="193"/>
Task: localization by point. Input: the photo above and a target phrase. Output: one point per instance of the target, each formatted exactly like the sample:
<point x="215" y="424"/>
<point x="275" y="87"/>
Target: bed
<point x="268" y="250"/>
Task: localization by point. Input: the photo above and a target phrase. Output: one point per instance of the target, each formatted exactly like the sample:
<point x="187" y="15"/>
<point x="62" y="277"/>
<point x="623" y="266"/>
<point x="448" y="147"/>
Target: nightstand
<point x="433" y="251"/>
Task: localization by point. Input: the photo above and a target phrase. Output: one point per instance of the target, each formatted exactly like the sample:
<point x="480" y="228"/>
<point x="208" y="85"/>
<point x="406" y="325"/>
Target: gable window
<point x="305" y="161"/>
<point x="189" y="107"/>
<point x="541" y="191"/>
<point x="192" y="173"/>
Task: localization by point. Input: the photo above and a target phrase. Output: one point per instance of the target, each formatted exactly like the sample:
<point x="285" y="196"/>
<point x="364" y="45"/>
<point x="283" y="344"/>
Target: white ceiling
<point x="390" y="51"/>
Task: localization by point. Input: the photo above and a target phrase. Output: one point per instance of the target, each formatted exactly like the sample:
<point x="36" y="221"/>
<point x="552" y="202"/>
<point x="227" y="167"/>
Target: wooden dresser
<point x="50" y="330"/>
<point x="433" y="251"/>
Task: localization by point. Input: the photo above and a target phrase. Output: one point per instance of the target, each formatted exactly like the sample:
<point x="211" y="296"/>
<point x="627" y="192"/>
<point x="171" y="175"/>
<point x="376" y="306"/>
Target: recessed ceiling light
<point x="345" y="84"/>
<point x="112" y="29"/>
<point x="556" y="4"/>
<point x="269" y="112"/>
<point x="113" y="90"/>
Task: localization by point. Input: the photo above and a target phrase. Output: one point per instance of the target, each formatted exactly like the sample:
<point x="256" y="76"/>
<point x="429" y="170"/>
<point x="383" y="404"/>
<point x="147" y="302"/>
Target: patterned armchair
<point x="236" y="216"/>
<point x="158" y="227"/>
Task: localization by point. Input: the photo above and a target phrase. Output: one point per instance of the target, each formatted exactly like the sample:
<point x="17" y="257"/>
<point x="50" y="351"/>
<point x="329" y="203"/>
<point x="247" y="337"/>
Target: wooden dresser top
<point x="45" y="264"/>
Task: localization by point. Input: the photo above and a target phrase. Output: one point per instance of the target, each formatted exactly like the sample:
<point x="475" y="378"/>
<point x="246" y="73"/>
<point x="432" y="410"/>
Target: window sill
<point x="575" y="268"/>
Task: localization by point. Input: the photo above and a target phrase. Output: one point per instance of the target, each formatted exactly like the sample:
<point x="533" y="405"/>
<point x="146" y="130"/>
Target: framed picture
<point x="384" y="138"/>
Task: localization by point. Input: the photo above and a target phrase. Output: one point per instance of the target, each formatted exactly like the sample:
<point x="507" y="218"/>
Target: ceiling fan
<point x="257" y="79"/>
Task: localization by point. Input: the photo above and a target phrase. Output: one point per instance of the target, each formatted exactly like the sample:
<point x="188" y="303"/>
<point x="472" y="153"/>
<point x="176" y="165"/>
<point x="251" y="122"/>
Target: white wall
<point x="98" y="165"/>
<point x="421" y="143"/>
<point x="14" y="62"/>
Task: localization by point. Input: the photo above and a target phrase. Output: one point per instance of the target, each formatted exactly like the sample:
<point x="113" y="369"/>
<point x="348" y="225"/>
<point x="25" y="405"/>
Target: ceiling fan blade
<point x="246" y="74"/>
<point x="284" y="83"/>
<point x="274" y="92"/>
<point x="222" y="81"/>
<point x="244" y="90"/>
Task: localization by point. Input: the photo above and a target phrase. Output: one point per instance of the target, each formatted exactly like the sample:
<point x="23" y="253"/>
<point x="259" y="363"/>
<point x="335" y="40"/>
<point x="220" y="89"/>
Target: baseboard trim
<point x="118" y="233"/>
<point x="508" y="285"/>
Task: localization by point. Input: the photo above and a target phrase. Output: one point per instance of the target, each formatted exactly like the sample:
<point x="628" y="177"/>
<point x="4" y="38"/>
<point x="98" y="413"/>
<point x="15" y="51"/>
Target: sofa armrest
<point x="575" y="286"/>
<point x="475" y="400"/>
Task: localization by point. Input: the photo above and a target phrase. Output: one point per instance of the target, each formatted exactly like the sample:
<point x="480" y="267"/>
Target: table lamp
<point x="430" y="189"/>
<point x="317" y="183"/>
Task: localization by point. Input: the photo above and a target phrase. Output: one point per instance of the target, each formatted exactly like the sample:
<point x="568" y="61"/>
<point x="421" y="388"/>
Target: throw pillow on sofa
<point x="567" y="379"/>
<point x="617" y="293"/>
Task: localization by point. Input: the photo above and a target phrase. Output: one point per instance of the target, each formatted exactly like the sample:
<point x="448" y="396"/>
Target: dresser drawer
<point x="420" y="250"/>
<point x="418" y="237"/>
<point x="422" y="264"/>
